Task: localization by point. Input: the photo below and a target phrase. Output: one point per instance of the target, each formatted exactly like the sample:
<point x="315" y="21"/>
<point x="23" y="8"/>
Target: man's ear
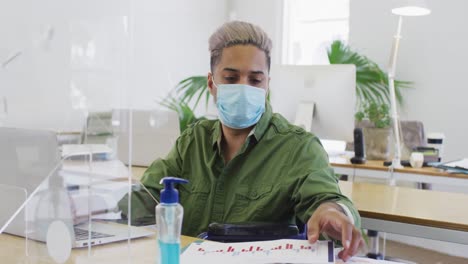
<point x="268" y="86"/>
<point x="210" y="84"/>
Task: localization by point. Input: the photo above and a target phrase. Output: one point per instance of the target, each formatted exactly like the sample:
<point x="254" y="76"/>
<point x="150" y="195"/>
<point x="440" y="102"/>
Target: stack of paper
<point x="74" y="150"/>
<point x="357" y="260"/>
<point x="457" y="166"/>
<point x="276" y="251"/>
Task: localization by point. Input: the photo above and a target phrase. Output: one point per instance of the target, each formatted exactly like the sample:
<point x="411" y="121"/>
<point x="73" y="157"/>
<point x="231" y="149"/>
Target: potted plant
<point x="375" y="121"/>
<point x="185" y="97"/>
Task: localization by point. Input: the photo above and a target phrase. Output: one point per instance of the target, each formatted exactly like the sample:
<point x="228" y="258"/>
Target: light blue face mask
<point x="240" y="105"/>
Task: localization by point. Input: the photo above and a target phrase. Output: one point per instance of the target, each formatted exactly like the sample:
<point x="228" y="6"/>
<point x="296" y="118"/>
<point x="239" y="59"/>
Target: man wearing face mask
<point x="251" y="165"/>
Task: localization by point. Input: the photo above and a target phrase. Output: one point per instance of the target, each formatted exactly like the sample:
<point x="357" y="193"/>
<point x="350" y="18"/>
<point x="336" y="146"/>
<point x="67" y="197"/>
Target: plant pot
<point x="377" y="142"/>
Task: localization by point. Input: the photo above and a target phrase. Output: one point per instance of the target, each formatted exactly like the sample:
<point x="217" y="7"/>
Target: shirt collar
<point x="258" y="130"/>
<point x="216" y="136"/>
<point x="262" y="125"/>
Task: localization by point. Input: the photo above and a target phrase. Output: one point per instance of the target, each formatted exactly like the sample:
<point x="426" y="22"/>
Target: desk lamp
<point x="405" y="8"/>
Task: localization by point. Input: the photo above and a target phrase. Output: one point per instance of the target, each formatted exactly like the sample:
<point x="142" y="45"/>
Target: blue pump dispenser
<point x="169" y="215"/>
<point x="169" y="194"/>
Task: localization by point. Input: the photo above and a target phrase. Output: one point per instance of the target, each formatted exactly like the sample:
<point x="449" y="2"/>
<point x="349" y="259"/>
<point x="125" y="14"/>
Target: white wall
<point x="264" y="13"/>
<point x="171" y="43"/>
<point x="165" y="42"/>
<point x="432" y="55"/>
<point x="37" y="85"/>
<point x="25" y="81"/>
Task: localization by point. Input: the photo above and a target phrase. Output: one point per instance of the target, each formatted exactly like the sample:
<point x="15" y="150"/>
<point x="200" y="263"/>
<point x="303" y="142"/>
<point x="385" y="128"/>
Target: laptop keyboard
<point x="81" y="234"/>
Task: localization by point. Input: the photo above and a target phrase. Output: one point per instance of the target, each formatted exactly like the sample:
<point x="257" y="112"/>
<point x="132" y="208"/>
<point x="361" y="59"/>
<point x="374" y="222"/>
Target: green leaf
<point x="359" y="116"/>
<point x="185" y="97"/>
<point x="190" y="88"/>
<point x="371" y="80"/>
<point x="377" y="113"/>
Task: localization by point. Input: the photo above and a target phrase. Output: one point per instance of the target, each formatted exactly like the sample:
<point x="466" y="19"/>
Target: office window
<point x="309" y="27"/>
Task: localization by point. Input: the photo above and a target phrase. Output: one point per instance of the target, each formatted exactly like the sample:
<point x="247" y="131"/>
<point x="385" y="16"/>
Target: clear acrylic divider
<point x="64" y="187"/>
<point x="12" y="198"/>
<point x="31" y="192"/>
<point x="11" y="220"/>
<point x="99" y="188"/>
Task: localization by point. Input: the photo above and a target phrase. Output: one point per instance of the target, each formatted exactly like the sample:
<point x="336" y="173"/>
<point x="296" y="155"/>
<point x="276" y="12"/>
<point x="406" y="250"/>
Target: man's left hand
<point x="329" y="219"/>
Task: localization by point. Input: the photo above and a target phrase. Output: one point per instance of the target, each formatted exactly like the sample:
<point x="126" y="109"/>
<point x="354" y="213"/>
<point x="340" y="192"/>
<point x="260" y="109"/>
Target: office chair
<point x="253" y="231"/>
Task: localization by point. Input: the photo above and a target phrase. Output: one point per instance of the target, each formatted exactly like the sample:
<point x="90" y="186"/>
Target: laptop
<point x="154" y="133"/>
<point x="31" y="169"/>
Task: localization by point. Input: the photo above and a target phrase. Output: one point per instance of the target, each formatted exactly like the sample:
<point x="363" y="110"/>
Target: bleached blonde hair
<point x="238" y="33"/>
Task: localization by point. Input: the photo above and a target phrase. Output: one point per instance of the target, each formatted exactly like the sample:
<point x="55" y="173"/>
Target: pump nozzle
<point x="169" y="194"/>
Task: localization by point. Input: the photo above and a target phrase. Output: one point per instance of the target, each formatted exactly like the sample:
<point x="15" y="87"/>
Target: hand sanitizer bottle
<point x="169" y="215"/>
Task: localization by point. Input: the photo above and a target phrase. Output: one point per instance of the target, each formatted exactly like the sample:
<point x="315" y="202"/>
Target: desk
<point x="419" y="213"/>
<point x="142" y="250"/>
<point x="138" y="172"/>
<point x="375" y="169"/>
<point x="412" y="212"/>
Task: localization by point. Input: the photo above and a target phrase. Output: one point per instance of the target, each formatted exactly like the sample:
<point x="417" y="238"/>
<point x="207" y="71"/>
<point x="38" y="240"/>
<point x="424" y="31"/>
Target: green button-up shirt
<point x="280" y="173"/>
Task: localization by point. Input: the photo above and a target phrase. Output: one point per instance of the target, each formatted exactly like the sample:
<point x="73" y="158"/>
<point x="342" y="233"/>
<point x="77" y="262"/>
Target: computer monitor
<point x="332" y="89"/>
<point x="154" y="134"/>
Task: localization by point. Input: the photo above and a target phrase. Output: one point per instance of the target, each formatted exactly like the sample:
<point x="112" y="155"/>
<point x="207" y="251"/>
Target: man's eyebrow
<point x="231" y="70"/>
<point x="236" y="70"/>
<point x="257" y="72"/>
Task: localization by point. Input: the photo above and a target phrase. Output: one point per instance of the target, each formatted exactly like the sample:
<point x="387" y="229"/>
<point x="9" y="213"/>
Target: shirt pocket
<point x="194" y="199"/>
<point x="250" y="201"/>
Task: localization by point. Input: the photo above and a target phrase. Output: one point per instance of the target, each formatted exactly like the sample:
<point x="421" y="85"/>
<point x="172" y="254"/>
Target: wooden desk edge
<point x="424" y="171"/>
<point x="414" y="221"/>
